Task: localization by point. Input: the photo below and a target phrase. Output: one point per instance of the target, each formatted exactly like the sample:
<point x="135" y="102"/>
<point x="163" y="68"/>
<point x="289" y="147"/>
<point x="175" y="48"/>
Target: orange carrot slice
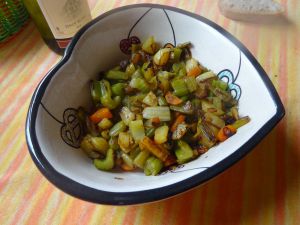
<point x="100" y="114"/>
<point x="194" y="72"/>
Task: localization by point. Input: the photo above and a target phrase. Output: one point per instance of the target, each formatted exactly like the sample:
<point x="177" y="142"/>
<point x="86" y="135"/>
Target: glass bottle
<point x="58" y="20"/>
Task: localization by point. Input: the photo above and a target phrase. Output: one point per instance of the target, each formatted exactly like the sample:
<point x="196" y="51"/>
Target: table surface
<point x="262" y="188"/>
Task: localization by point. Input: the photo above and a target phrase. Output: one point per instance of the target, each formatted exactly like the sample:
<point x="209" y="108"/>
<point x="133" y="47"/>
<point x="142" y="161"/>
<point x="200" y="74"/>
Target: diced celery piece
<point x="137" y="130"/>
<point x="184" y="153"/>
<point x="113" y="143"/>
<point x="208" y="107"/>
<point x="179" y="87"/>
<point x="126" y="115"/>
<point x="105" y="124"/>
<point x="130" y="69"/>
<point x="214" y="120"/>
<point x="162" y="101"/>
<point x="176" y="54"/>
<point x="191" y="84"/>
<point x="100" y="144"/>
<point x="107" y="163"/>
<point x="241" y="122"/>
<point x="152" y="166"/>
<point x="140" y="84"/>
<point x="117" y="128"/>
<point x="118" y="89"/>
<point x="116" y="75"/>
<point x="127" y="160"/>
<point x="150" y="132"/>
<point x="217" y="102"/>
<point x="150" y="99"/>
<point x="149" y="45"/>
<point x="141" y="158"/>
<point x="205" y="76"/>
<point x="162" y="112"/>
<point x="220" y="84"/>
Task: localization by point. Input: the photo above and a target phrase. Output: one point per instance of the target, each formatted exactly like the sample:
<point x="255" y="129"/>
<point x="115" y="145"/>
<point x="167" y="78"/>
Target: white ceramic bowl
<point x="52" y="129"/>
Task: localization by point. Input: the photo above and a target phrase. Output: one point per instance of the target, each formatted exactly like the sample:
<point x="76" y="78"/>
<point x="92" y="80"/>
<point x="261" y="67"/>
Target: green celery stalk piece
<point x="105" y="98"/>
<point x="184" y="153"/>
<point x="162" y="101"/>
<point x="140" y="84"/>
<point x="241" y="122"/>
<point x="150" y="132"/>
<point x="177" y="54"/>
<point x="137" y="130"/>
<point x="118" y="89"/>
<point x="117" y="75"/>
<point x="107" y="163"/>
<point x="180" y="88"/>
<point x="117" y="128"/>
<point x="191" y="84"/>
<point x="152" y="166"/>
<point x="127" y="160"/>
<point x="141" y="158"/>
<point x="162" y="112"/>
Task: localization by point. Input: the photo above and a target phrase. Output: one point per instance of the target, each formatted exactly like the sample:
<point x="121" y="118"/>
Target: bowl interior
<point x="98" y="49"/>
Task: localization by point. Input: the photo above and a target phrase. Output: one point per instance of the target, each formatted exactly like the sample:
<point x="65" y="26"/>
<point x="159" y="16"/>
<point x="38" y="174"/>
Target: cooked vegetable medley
<point x="158" y="109"/>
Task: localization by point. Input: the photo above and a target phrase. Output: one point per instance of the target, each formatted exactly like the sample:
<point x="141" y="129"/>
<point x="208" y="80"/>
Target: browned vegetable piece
<point x="171" y="160"/>
<point x="180" y="131"/>
<point x="226" y="132"/>
<point x="157" y="150"/>
<point x="155" y="121"/>
<point x="125" y="141"/>
<point x="149" y="46"/>
<point x="162" y="56"/>
<point x="201" y="149"/>
<point x="201" y="91"/>
<point x="205" y="135"/>
<point x="172" y="99"/>
<point x="136" y="57"/>
<point x="179" y="119"/>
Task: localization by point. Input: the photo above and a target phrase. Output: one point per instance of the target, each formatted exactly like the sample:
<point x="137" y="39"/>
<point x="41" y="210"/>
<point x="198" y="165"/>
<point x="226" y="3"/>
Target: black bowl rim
<point x="83" y="192"/>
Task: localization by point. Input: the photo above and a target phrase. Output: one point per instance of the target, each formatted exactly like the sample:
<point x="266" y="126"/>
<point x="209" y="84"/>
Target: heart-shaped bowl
<point x="53" y="132"/>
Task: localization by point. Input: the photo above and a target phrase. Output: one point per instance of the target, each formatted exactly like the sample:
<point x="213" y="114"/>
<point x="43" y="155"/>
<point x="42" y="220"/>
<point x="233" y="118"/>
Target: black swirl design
<point x="71" y="130"/>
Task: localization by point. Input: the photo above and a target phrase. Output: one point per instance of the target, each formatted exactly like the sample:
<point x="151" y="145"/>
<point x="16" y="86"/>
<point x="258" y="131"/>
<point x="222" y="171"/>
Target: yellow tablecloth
<point x="263" y="188"/>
